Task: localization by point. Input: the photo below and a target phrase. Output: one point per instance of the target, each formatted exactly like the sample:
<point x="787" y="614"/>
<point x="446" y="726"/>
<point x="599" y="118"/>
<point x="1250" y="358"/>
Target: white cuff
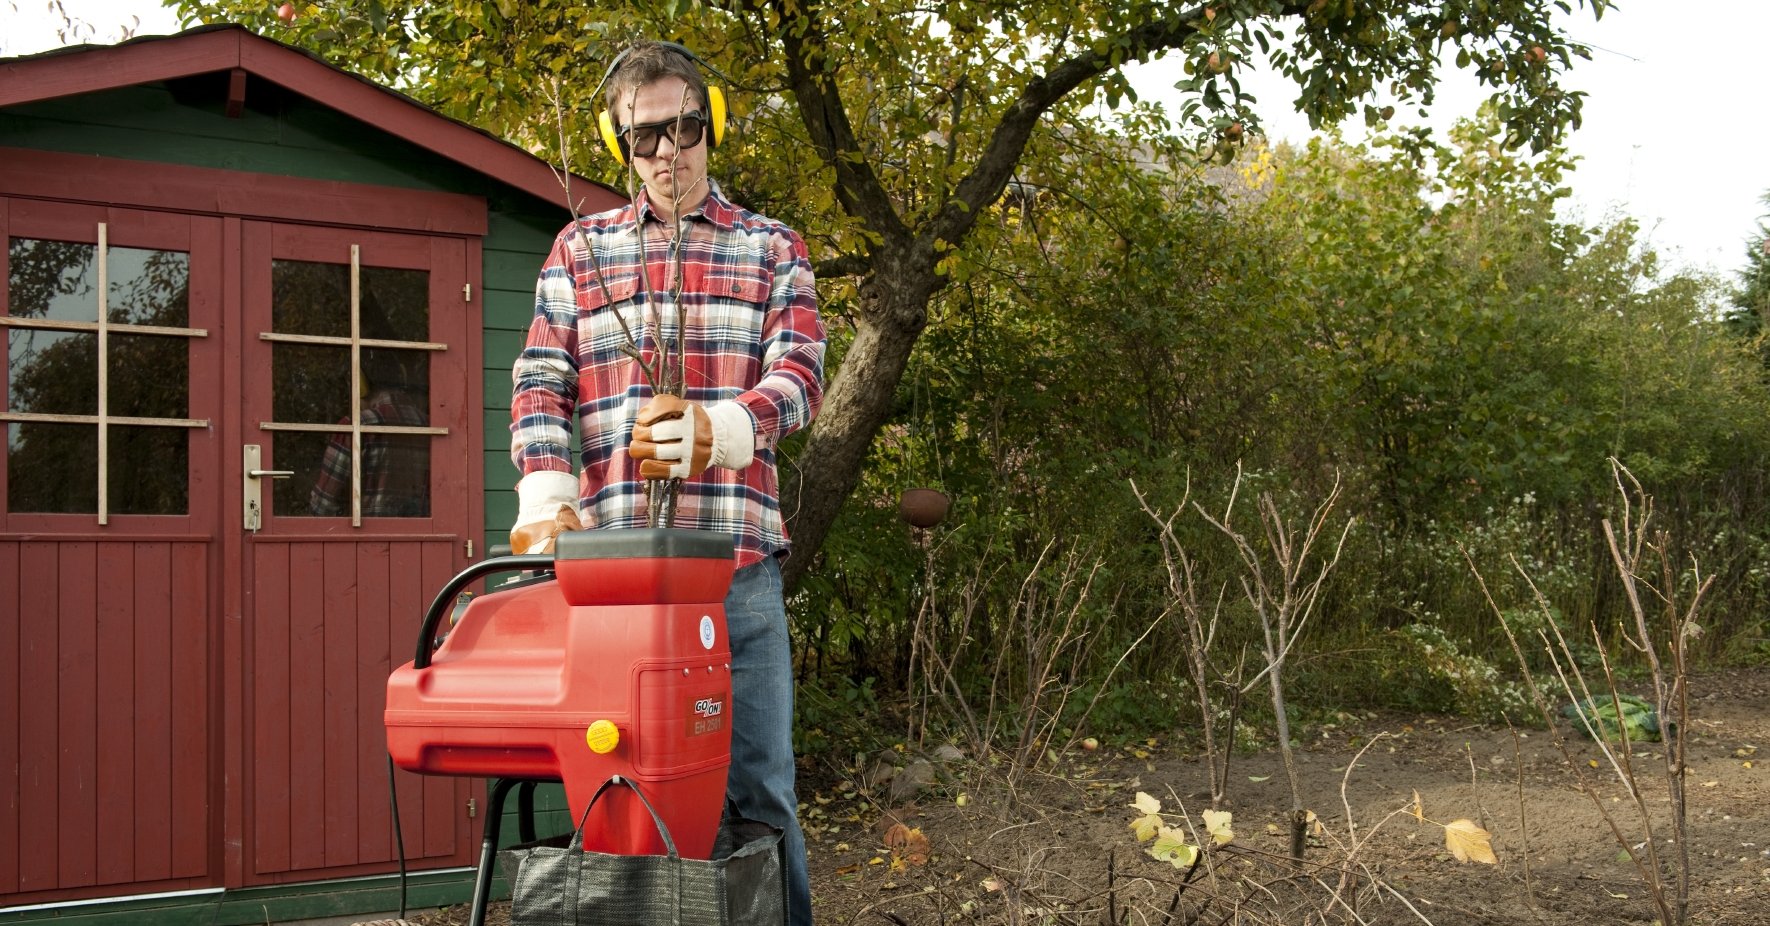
<point x="540" y="493"/>
<point x="734" y="435"/>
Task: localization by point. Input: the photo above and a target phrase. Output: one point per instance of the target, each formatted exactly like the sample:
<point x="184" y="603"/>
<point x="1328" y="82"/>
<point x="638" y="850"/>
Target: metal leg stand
<point x="497" y="790"/>
<point x="488" y="848"/>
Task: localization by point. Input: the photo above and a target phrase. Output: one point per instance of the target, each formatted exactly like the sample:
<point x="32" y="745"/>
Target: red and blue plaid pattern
<point x="753" y="335"/>
<point x="396" y="467"/>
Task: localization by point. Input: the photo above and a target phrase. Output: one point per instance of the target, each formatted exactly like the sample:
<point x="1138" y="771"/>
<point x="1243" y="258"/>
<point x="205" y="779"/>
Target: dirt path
<point x="1042" y="852"/>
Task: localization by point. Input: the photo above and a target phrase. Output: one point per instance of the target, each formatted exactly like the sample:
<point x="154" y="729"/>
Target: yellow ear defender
<point x="605" y="121"/>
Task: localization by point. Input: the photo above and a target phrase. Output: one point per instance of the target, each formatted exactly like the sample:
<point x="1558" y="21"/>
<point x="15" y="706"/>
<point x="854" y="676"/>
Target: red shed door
<point x="110" y="531"/>
<point x="355" y="508"/>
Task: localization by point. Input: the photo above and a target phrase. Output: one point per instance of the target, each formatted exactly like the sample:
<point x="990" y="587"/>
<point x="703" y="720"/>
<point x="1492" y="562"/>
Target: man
<point x="609" y="305"/>
<point x="396" y="467"/>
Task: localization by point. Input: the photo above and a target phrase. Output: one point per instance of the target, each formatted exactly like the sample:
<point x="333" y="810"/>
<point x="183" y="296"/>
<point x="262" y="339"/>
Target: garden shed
<point x="259" y="316"/>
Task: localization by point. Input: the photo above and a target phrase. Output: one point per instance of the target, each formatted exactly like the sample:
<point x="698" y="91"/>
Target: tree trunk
<point x="894" y="310"/>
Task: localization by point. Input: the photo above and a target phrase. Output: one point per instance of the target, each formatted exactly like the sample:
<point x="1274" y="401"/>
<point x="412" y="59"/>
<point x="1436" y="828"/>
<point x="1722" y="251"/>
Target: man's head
<point x="662" y="116"/>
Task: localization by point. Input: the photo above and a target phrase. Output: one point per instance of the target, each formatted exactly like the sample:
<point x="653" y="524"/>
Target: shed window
<point x="350" y="372"/>
<point x="98" y="378"/>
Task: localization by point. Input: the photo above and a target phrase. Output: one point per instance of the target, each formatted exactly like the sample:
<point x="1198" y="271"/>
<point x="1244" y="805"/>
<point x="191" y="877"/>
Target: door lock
<point x="252" y="496"/>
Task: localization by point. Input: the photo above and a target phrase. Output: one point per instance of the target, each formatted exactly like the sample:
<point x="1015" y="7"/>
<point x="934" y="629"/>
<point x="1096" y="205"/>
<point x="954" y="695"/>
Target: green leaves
<point x="1170" y="846"/>
<point x="1613" y="718"/>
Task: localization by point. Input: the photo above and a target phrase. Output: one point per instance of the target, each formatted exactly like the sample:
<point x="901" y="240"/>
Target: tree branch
<point x="843" y="265"/>
<point x="826" y="117"/>
<point x="986" y="180"/>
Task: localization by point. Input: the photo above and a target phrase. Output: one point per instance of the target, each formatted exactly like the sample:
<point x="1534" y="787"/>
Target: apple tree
<point x="889" y="131"/>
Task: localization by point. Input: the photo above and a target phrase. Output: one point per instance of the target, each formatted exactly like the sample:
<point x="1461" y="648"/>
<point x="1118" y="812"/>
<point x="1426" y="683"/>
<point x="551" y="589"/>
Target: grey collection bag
<point x="563" y="885"/>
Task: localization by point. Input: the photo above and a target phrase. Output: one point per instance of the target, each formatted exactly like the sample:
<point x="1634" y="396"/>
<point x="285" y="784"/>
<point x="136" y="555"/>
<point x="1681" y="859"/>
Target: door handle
<point x="251" y="489"/>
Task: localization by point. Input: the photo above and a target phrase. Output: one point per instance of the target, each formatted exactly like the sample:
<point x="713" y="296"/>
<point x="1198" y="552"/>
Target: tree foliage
<point x="889" y="131"/>
<point x="1750" y="309"/>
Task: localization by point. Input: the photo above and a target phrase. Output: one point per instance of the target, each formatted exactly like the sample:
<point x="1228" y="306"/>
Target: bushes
<point x="1430" y="335"/>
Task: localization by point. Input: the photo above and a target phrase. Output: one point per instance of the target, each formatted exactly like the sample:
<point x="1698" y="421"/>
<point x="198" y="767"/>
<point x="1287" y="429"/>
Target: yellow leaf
<point x="1469" y="843"/>
<point x="1146" y="826"/>
<point x="1170" y="846"/>
<point x="1217" y="824"/>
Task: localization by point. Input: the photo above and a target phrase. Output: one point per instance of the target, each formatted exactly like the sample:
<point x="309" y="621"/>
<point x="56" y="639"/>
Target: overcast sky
<point x="1670" y="136"/>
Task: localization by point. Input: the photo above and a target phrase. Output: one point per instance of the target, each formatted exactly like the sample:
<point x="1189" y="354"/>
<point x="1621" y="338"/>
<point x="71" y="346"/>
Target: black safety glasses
<point x="684" y="131"/>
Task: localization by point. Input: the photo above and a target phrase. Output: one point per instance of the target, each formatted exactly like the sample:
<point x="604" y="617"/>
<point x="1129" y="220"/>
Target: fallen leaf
<point x="1469" y="843"/>
<point x="908" y="846"/>
<point x="1258" y="778"/>
<point x="1217" y="824"/>
<point x="1150" y="823"/>
<point x="1170" y="846"/>
<point x="1419" y="812"/>
<point x="991" y="884"/>
<point x="848" y="870"/>
<point x="1710" y="784"/>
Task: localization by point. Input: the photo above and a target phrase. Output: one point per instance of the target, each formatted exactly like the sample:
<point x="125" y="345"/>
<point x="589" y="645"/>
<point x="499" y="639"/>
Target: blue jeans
<point x="761" y="780"/>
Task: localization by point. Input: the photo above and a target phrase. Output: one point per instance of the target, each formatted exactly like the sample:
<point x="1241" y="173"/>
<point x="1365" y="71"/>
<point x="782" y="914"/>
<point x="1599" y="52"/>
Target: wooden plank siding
<point x="11" y="652"/>
<point x="101" y="788"/>
<point x="513" y="256"/>
<point x="321" y="647"/>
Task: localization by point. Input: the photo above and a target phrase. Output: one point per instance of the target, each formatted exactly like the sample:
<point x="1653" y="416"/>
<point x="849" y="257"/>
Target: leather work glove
<point x="547" y="503"/>
<point x="677" y="439"/>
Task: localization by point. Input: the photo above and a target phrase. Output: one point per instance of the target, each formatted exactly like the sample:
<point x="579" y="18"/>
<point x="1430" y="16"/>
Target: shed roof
<point x="81" y="69"/>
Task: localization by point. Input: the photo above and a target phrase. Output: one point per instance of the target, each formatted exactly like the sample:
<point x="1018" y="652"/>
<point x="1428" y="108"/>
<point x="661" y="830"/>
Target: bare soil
<point x="1054" y="845"/>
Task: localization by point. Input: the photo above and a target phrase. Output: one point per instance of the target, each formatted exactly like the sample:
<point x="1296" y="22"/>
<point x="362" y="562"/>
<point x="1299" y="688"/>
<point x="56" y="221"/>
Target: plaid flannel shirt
<point x="396" y="467"/>
<point x="754" y="336"/>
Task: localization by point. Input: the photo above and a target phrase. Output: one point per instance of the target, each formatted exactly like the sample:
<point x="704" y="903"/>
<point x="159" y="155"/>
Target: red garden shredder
<point x="615" y="663"/>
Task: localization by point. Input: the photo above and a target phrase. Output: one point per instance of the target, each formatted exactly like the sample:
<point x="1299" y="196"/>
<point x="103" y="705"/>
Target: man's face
<point x="675" y="178"/>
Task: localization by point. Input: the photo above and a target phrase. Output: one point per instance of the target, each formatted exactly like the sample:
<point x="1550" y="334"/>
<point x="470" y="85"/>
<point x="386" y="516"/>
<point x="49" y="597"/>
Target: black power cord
<point x="399" y="839"/>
